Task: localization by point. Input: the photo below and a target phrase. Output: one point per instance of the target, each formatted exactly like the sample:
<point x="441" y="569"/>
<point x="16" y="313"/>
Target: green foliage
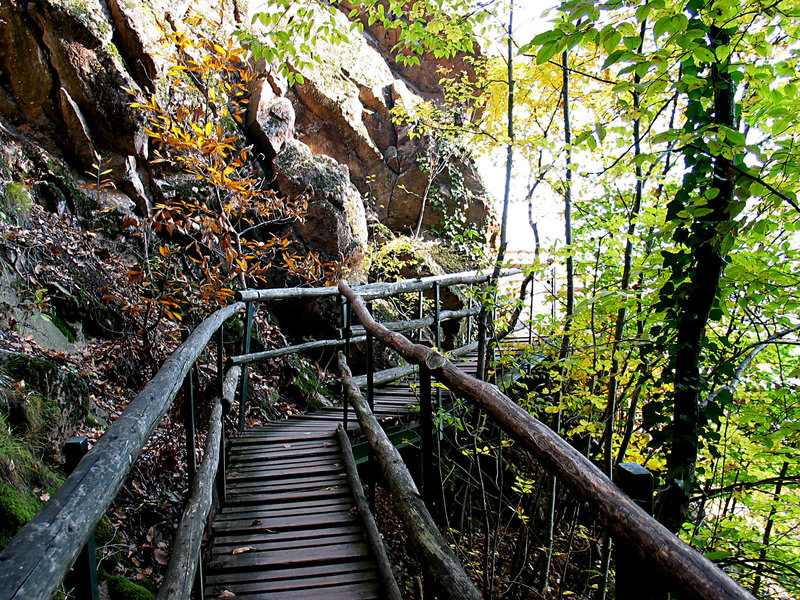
<point x="659" y="68"/>
<point x="287" y="34"/>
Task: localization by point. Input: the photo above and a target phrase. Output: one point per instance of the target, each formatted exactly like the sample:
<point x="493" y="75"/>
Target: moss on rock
<point x="16" y="509"/>
<point x="120" y="588"/>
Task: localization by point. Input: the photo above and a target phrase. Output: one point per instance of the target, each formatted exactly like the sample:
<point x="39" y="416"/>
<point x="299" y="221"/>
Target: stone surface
<point x="65" y="65"/>
<point x="270" y="120"/>
<point x="336" y="224"/>
<point x="343" y="109"/>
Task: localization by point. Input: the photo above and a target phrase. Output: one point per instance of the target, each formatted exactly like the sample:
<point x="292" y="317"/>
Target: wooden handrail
<point x="690" y="572"/>
<point x="433" y="551"/>
<point x="36" y="560"/>
<point x="371" y="291"/>
<point x="180" y="575"/>
<point x="357" y="333"/>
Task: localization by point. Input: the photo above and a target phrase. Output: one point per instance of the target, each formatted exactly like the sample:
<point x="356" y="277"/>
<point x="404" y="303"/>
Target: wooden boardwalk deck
<point x="288" y="529"/>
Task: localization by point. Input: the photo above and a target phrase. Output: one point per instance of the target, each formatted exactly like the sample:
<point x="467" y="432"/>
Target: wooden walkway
<point x="288" y="528"/>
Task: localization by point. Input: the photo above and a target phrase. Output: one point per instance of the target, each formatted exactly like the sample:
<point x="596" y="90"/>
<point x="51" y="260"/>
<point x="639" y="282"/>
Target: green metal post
<point x="248" y="328"/>
<point x="226" y="408"/>
<point x="76" y="448"/>
<point x="188" y="418"/>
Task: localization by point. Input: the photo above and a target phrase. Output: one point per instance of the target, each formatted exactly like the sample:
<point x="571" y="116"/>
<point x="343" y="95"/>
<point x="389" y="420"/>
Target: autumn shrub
<point x="231" y="229"/>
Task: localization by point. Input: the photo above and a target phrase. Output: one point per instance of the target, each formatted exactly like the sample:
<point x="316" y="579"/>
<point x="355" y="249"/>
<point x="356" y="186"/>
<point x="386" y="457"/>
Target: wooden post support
<point x="373" y="535"/>
<point x="75" y="448"/>
<point x="188" y="418"/>
<point x="433" y="552"/>
<point x="248" y="328"/>
<point x="634" y="580"/>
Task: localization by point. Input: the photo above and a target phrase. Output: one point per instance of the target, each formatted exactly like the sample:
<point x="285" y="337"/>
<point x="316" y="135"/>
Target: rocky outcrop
<point x="344" y="110"/>
<point x="63" y="85"/>
<point x="335" y="223"/>
<point x="65" y="66"/>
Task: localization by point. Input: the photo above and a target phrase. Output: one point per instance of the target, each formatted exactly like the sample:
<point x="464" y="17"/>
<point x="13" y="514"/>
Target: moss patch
<point x="16" y="509"/>
<point x="16" y="202"/>
<point x="120" y="588"/>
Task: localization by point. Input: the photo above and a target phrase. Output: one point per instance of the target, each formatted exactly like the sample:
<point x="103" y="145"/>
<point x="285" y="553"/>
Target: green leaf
<point x="546" y="53"/>
<point x="662" y="26"/>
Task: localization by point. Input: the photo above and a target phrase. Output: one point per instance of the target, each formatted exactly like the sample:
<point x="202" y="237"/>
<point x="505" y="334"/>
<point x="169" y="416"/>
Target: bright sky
<point x="547" y="210"/>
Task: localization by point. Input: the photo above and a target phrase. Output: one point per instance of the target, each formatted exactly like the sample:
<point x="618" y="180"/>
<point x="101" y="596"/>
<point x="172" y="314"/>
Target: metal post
<point x="420" y="313"/>
<point x="346" y="334"/>
<point x="469" y="320"/>
<point x="436" y="315"/>
<point x="530" y="318"/>
<point x="426" y="434"/>
<point x="373" y="467"/>
<point x="221" y="467"/>
<point x="633" y="579"/>
<point x="248" y="328"/>
<point x="85" y="566"/>
<point x="188" y="418"/>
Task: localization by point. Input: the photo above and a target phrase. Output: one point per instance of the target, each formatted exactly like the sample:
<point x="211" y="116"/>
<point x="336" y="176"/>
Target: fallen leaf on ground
<point x="242" y="549"/>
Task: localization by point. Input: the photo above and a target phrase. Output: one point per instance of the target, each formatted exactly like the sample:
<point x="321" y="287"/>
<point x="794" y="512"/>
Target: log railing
<point x="688" y="572"/>
<point x="35" y="562"/>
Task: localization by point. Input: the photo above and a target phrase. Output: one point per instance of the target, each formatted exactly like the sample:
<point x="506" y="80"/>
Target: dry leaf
<point x="160" y="556"/>
<point x="226" y="594"/>
<point x="256" y="522"/>
<point x="242" y="549"/>
<point x="44" y="497"/>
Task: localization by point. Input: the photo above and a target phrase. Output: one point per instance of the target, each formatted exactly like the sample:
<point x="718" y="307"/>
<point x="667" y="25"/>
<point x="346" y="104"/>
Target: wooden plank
<point x="308" y="504"/>
<point x="357" y="591"/>
<point x="288" y="496"/>
<point x="283" y="471"/>
<point x="338" y="580"/>
<point x="217" y="579"/>
<point x="267" y="454"/>
<point x="284" y="558"/>
<point x="244" y="539"/>
<point x="293" y="543"/>
<point x="280" y="485"/>
<point x="282" y="522"/>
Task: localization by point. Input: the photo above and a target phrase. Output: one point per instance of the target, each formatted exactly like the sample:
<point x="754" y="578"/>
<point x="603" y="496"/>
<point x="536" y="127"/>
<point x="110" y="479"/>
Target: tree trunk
<point x="704" y="272"/>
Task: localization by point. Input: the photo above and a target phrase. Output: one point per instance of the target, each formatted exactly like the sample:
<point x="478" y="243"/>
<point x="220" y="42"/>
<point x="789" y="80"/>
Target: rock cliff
<point x="68" y="69"/>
